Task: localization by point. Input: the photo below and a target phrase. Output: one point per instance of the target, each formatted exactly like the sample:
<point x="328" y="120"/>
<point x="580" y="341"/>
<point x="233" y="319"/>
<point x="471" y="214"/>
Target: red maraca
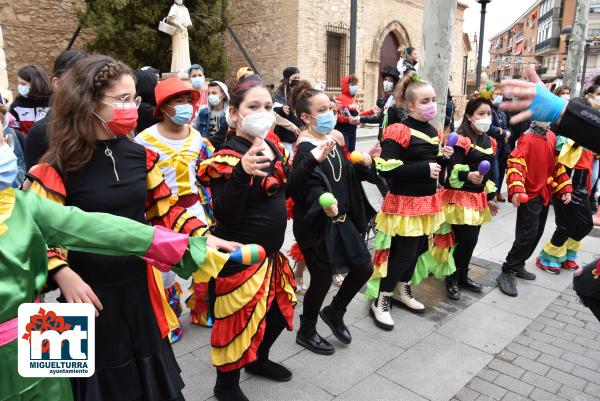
<point x="484" y="167"/>
<point x="522" y="197"/>
<point x="452" y="139"/>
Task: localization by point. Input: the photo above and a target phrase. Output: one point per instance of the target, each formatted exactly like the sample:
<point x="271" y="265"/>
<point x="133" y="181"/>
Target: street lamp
<point x="483" y="3"/>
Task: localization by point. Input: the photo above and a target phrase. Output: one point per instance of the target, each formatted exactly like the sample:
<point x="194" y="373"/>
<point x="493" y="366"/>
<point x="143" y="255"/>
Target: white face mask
<point x="482" y="125"/>
<point x="597" y="98"/>
<point x="568" y="97"/>
<point x="388" y="86"/>
<point x="257" y="124"/>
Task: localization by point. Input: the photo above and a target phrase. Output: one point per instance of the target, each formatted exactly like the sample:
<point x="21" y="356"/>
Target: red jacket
<point x="532" y="168"/>
<point x="347" y="105"/>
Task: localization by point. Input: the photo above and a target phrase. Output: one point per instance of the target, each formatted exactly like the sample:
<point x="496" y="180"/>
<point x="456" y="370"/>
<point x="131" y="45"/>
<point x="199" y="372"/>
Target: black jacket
<point x="146" y="82"/>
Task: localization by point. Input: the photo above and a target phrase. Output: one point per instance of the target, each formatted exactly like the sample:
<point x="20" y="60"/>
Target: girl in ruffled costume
<point x="92" y="165"/>
<point x="249" y="178"/>
<point x="29" y="223"/>
<point x="574" y="219"/>
<point x="412" y="210"/>
<point x="468" y="195"/>
<point x="180" y="149"/>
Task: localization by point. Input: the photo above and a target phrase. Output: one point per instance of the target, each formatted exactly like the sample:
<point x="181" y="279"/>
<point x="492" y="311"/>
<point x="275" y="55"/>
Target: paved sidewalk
<point x="541" y="345"/>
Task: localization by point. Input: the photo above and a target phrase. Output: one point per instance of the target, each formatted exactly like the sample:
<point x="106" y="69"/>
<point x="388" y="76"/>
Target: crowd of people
<point x="113" y="182"/>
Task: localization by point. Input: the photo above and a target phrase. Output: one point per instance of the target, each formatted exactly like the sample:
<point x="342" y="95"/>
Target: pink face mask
<point x="427" y="113"/>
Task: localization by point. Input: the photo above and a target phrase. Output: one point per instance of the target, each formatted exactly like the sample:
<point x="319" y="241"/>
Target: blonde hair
<point x="405" y="90"/>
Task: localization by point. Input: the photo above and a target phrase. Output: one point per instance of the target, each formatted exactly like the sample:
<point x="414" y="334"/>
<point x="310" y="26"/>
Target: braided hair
<point x="72" y="131"/>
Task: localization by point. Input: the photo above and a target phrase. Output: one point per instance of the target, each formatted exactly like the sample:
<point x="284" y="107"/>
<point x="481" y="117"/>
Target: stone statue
<point x="179" y="17"/>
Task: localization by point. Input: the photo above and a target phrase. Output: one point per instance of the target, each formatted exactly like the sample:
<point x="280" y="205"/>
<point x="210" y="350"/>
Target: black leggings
<point x="404" y="252"/>
<point x="466" y="239"/>
<point x="320" y="282"/>
<point x="274" y="326"/>
<point x="573" y="220"/>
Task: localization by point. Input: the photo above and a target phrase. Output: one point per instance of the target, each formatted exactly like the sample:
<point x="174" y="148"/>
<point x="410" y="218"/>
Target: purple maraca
<point x="452" y="139"/>
<point x="484" y="167"/>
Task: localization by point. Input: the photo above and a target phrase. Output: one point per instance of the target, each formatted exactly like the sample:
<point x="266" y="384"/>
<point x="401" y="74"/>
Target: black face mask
<point x="294" y="82"/>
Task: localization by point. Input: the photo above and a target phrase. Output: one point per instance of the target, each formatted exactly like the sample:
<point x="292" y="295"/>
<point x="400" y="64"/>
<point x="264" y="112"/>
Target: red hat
<point x="172" y="87"/>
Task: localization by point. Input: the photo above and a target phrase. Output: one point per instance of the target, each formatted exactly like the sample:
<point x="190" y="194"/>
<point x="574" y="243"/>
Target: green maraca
<point x="327" y="200"/>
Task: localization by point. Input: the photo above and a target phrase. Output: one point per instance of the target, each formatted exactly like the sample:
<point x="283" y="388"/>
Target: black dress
<point x="337" y="243"/>
<point x="133" y="362"/>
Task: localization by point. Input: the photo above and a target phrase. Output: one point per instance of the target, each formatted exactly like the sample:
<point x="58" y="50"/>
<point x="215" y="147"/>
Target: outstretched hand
<point x="532" y="99"/>
<point x="252" y="162"/>
<point x="324" y="148"/>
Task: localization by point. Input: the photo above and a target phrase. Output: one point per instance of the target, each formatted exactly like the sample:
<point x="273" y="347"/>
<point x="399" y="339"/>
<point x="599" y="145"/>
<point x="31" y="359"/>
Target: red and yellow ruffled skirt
<point x="241" y="305"/>
<point x="468" y="208"/>
<point x="407" y="216"/>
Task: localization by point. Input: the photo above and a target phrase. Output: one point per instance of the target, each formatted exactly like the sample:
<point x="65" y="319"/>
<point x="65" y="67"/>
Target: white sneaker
<point x="380" y="311"/>
<point x="403" y="296"/>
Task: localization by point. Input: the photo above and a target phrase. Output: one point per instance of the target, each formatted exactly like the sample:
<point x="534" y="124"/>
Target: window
<point x="546" y="6"/>
<point x="544" y="31"/>
<point x="337" y="58"/>
<point x="593" y="31"/>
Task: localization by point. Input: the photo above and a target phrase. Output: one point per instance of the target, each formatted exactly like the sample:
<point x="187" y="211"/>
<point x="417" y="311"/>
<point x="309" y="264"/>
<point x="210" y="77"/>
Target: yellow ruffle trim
<point x="7" y="203"/>
<point x="465" y="215"/>
<point x="409" y="226"/>
<point x="573" y="245"/>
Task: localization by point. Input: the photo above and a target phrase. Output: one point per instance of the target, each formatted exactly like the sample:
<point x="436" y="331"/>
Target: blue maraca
<point x="484" y="167"/>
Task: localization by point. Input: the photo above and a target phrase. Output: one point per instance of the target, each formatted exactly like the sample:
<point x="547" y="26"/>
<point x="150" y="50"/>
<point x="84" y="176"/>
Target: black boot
<point x="228" y="387"/>
<point x="308" y="337"/>
<point x="470" y="285"/>
<point x="270" y="370"/>
<point x="508" y="284"/>
<point x="333" y="315"/>
<point x="452" y="289"/>
<point x="524" y="274"/>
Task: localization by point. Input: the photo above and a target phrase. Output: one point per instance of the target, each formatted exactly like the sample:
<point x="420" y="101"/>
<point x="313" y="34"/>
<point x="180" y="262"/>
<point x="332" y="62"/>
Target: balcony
<point x="546" y="46"/>
<point x="552" y="13"/>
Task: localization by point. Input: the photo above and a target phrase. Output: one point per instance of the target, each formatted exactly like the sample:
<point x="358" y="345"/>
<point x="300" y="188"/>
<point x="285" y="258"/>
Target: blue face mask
<point x="8" y="166"/>
<point x="498" y="99"/>
<point x="183" y="114"/>
<point x="197" y="82"/>
<point x="325" y="122"/>
<point x="214" y="100"/>
<point x="353" y="90"/>
<point x="23" y="90"/>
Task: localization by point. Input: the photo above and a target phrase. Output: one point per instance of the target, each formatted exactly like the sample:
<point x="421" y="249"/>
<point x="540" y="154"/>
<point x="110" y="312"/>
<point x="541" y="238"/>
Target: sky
<point x="500" y="15"/>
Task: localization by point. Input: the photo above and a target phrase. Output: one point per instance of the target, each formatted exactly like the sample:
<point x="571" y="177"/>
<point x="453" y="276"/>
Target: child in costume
<point x="412" y="210"/>
<point x="533" y="178"/>
<point x="180" y="149"/>
<point x="249" y="178"/>
<point x="467" y="194"/>
<point x="573" y="220"/>
<point x="29" y="223"/>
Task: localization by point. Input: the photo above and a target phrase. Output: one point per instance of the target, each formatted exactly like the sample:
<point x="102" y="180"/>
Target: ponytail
<point x="404" y="92"/>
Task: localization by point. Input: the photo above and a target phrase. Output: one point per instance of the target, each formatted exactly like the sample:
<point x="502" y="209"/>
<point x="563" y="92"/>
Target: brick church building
<point x="311" y="34"/>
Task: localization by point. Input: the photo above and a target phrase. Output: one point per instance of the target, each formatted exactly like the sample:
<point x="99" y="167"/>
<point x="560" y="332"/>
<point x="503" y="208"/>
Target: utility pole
<point x="575" y="50"/>
<point x="480" y="49"/>
<point x="353" y="28"/>
<point x="438" y="32"/>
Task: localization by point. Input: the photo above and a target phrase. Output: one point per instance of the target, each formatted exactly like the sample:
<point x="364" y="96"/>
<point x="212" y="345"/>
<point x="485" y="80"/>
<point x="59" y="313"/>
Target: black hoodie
<point x="145" y="83"/>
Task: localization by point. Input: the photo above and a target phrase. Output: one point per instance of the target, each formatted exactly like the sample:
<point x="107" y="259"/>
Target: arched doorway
<point x="388" y="55"/>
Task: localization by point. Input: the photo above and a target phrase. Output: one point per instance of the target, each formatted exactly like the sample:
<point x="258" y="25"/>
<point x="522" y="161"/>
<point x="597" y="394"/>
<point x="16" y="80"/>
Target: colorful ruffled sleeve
<point x="161" y="210"/>
<point x="47" y="183"/>
<point x="459" y="172"/>
<point x="394" y="142"/>
<point x="516" y="169"/>
<point x="561" y="183"/>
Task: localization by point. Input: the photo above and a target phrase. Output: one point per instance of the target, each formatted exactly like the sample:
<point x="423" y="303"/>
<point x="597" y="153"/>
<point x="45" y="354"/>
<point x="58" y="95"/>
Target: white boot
<point x="380" y="311"/>
<point x="403" y="296"/>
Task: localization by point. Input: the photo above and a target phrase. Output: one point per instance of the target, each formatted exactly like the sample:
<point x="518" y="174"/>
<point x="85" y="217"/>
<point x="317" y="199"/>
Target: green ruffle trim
<point x="490" y="187"/>
<point x="382" y="241"/>
<point x="455" y="182"/>
<point x="387" y="165"/>
<point x="427" y="264"/>
<point x="445" y="228"/>
<point x="372" y="291"/>
<point x="192" y="259"/>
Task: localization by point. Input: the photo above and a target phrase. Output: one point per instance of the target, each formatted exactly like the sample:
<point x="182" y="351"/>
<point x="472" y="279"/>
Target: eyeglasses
<point x="124" y="102"/>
